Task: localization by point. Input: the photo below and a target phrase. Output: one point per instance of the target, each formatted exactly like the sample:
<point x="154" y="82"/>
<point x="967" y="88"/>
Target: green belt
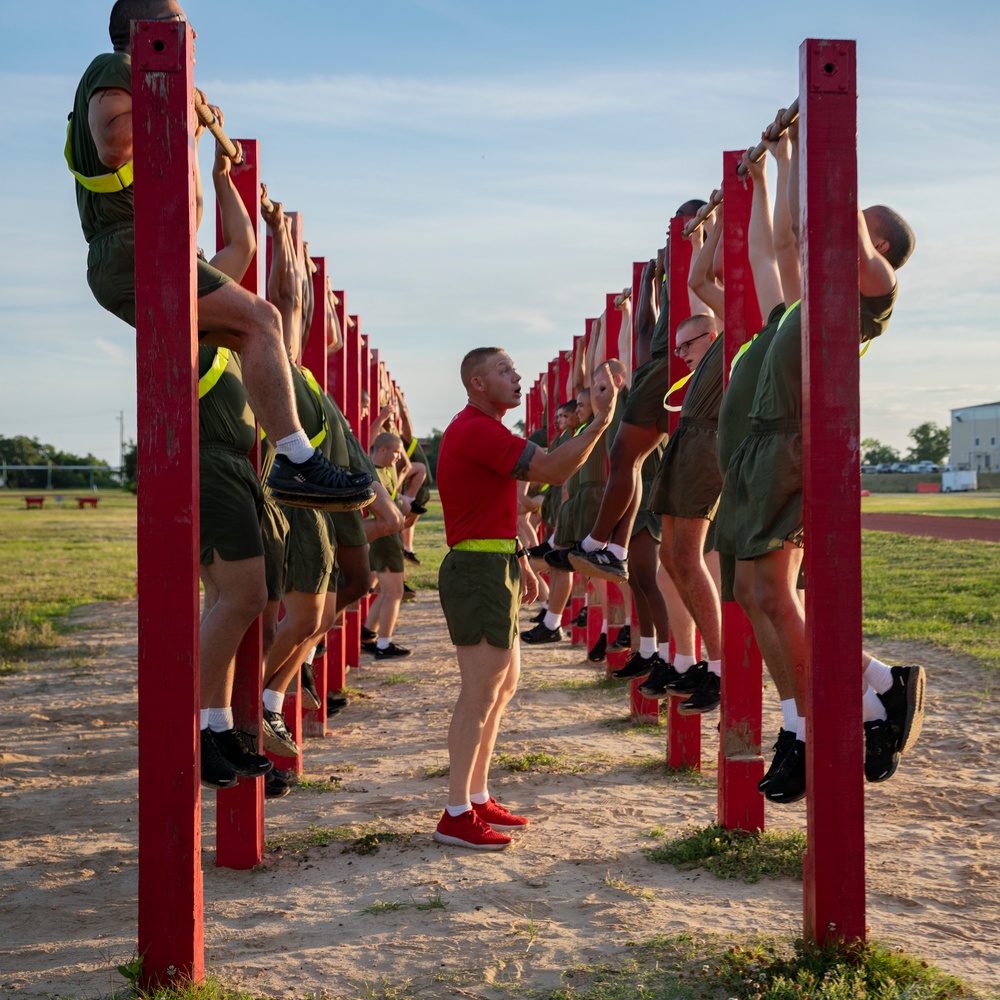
<point x="487" y="545"/>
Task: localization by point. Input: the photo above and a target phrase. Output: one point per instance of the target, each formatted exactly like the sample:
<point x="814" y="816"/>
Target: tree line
<point x="21" y="450"/>
<point x="930" y="444"/>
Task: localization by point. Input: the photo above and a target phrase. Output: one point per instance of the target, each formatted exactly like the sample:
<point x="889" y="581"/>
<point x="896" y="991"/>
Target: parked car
<point x="868" y="469"/>
<point x="924" y="467"/>
<point x="883" y="467"/>
<point x="899" y="467"/>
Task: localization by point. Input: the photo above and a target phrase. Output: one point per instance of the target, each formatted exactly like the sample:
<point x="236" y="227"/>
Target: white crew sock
<point x="553" y="620"/>
<point x="789" y="713"/>
<point x="273" y="700"/>
<point x="800" y="728"/>
<point x="203" y="718"/>
<point x="589" y="544"/>
<point x="480" y="798"/>
<point x="296" y="447"/>
<point x="604" y="626"/>
<point x="878" y="675"/>
<point x="683" y="663"/>
<point x="871" y="706"/>
<point x="458" y="810"/>
<point x="647" y="646"/>
<point x="552" y="539"/>
<point x="618" y="551"/>
<point x="715" y="667"/>
<point x="311" y="655"/>
<point x="628" y="619"/>
<point x="383" y="643"/>
<point x="664" y="650"/>
<point x="220" y="720"/>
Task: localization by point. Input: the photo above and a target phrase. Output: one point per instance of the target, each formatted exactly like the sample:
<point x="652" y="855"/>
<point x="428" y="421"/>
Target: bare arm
<point x="786" y="245"/>
<point x="702" y="280"/>
<point x="595" y="349"/>
<point x="645" y="313"/>
<point x="875" y="273"/>
<point x="760" y="241"/>
<point x="336" y="335"/>
<point x="239" y="242"/>
<point x="696" y="303"/>
<point x="283" y="288"/>
<point x="405" y="424"/>
<point x="109" y="116"/>
<point x="793" y="178"/>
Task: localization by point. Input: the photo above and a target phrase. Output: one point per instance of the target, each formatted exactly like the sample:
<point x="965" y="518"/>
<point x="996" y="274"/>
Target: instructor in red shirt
<point x="485" y="578"/>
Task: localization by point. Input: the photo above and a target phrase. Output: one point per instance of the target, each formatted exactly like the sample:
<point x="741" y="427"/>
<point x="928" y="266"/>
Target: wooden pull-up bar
<point x="774" y="131"/>
<point x="212" y="124"/>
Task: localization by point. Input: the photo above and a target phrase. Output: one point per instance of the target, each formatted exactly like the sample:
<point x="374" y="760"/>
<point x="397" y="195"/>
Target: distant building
<point x="975" y="437"/>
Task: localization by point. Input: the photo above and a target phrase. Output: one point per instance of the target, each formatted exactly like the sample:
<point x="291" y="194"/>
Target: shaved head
<point x="125" y="12"/>
<point x="476" y="362"/>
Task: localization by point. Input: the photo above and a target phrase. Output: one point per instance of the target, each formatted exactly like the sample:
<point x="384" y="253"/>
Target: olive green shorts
<point x="480" y="595"/>
<point x="230" y="503"/>
<point x="347" y="527"/>
<point x="688" y="482"/>
<point x="578" y="514"/>
<point x="111" y="272"/>
<point x="644" y="405"/>
<point x="274" y="531"/>
<point x="310" y="554"/>
<point x="645" y="519"/>
<point x="551" y="505"/>
<point x="385" y="555"/>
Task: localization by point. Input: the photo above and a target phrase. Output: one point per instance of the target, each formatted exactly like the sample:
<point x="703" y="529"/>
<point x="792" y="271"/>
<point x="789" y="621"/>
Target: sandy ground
<point x="573" y="890"/>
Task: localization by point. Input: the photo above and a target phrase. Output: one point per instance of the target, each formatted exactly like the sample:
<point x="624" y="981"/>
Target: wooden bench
<point x="82" y="502"/>
<point x="38" y="502"/>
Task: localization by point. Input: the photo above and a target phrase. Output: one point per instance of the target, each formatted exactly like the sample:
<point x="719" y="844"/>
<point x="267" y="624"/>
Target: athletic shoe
<point x="468" y="830"/>
<point x="540" y="634"/>
<point x="622" y="641"/>
<point x="599" y="652"/>
<point x="657" y="685"/>
<point x="335" y="703"/>
<point x="216" y="771"/>
<point x="367" y="634"/>
<point x="881" y="755"/>
<point x="601" y="564"/>
<point x="369" y="645"/>
<point x="904" y="704"/>
<point x="410" y="556"/>
<point x="581" y="618"/>
<point x="277" y="784"/>
<point x="636" y="666"/>
<point x="785" y="740"/>
<point x="390" y="651"/>
<point x="539" y="551"/>
<point x="558" y="559"/>
<point x="409" y="594"/>
<point x="706" y="698"/>
<point x="540" y="617"/>
<point x="788" y="784"/>
<point x="276" y="737"/>
<point x="318" y="483"/>
<point x="310" y="696"/>
<point x="240" y="749"/>
<point x="688" y="682"/>
<point x="493" y="814"/>
<point x="321" y="648"/>
<point x="417" y="508"/>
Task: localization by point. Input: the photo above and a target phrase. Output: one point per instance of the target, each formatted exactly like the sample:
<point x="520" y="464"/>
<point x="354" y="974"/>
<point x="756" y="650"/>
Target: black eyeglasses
<point x="682" y="349"/>
<point x="181" y="19"/>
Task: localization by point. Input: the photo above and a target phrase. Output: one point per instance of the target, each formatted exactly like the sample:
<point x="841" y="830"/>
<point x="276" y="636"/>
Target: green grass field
<point x="973" y="504"/>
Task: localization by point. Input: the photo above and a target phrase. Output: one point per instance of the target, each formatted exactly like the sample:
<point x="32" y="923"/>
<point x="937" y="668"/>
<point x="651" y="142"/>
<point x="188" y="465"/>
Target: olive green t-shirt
<point x="704" y="391"/>
<point x="358" y="459"/>
<point x="338" y="442"/>
<point x="310" y="411"/>
<point x="224" y="416"/>
<point x="98" y="211"/>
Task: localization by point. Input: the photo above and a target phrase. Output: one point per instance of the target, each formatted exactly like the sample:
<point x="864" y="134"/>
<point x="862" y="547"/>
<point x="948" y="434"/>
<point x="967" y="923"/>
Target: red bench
<point x="87" y="502"/>
<point x="38" y="502"/>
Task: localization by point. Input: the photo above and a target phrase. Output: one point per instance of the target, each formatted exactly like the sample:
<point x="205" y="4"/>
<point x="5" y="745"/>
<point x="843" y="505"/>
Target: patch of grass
<point x="687" y="777"/>
<point x="372" y="841"/>
<point x="632" y="890"/>
<point x="331" y="784"/>
<point x="528" y="927"/>
<point x="734" y="853"/>
<point x="437" y="771"/>
<point x="434" y="902"/>
<point x="527" y="761"/>
<point x="431" y="547"/>
<point x="595" y="685"/>
<point x="972" y="504"/>
<point x="357" y="839"/>
<point x="380" y="906"/>
<point x="623" y="724"/>
<point x="395" y="679"/>
<point x="383" y="989"/>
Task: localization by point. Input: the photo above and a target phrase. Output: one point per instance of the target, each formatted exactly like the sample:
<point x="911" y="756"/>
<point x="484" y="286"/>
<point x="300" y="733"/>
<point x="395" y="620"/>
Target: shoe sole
<point x="443" y="838"/>
<point x="539" y="642"/>
<point x="695" y="710"/>
<point x="502" y="828"/>
<point x="216" y="787"/>
<point x="914" y="720"/>
<point x="273" y="743"/>
<point x="586" y="567"/>
<point x="278" y="794"/>
<point x="357" y="501"/>
<point x="309" y="701"/>
<point x="596" y="659"/>
<point x="786" y="801"/>
<point x="629" y="676"/>
<point x="655" y="695"/>
<point x="394" y="656"/>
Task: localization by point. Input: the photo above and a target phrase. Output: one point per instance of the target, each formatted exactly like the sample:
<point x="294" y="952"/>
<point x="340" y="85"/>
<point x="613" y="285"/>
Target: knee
<point x="743" y="591"/>
<point x="772" y="600"/>
<point x="264" y="320"/>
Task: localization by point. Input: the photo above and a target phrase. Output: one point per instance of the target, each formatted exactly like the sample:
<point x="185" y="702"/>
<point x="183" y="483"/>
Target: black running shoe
<point x="904" y="704"/>
<point x="240" y="749"/>
<point x="657" y="684"/>
<point x="540" y="634"/>
<point x="706" y="698"/>
<point x="688" y="682"/>
<point x="277" y="784"/>
<point x="368" y="646"/>
<point x="558" y="559"/>
<point x="622" y="641"/>
<point x="391" y="651"/>
<point x="599" y="652"/>
<point x="321" y="648"/>
<point x="318" y="483"/>
<point x="636" y="666"/>
<point x="409" y="594"/>
<point x="881" y="755"/>
<point x="276" y="737"/>
<point x="367" y="634"/>
<point x="785" y="740"/>
<point x="410" y="556"/>
<point x="788" y="784"/>
<point x="310" y="696"/>
<point x="417" y="508"/>
<point x="335" y="703"/>
<point x="581" y="618"/>
<point x="601" y="564"/>
<point x="216" y="771"/>
<point x="539" y="551"/>
<point x="540" y="617"/>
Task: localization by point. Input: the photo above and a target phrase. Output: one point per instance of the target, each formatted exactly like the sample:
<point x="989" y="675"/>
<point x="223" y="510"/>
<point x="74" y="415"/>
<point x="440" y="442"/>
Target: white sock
<point x="545" y="605"/>
<point x="800" y="728"/>
<point x="664" y="650"/>
<point x="480" y="798"/>
<point x="871" y="706"/>
<point x="683" y="663"/>
<point x="647" y="646"/>
<point x="273" y="700"/>
<point x="220" y="720"/>
<point x="553" y="620"/>
<point x="296" y="447"/>
<point x="715" y="667"/>
<point x="458" y="810"/>
<point x="590" y="545"/>
<point x="552" y="539"/>
<point x="604" y="626"/>
<point x="618" y="551"/>
<point x="203" y="718"/>
<point x="311" y="655"/>
<point x="879" y="676"/>
<point x="383" y="643"/>
<point x="789" y="714"/>
<point x="628" y="619"/>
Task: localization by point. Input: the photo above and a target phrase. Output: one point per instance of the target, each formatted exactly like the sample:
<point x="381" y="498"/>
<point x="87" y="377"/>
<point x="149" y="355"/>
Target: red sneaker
<point x="493" y="814"/>
<point x="468" y="830"/>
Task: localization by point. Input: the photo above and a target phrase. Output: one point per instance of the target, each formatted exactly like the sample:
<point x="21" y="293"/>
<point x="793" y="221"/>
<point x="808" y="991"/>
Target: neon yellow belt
<point x="487" y="545"/>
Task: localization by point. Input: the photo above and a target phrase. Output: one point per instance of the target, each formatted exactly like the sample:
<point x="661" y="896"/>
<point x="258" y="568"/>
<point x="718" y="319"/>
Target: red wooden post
<point x="740" y="804"/>
<point x="171" y="931"/>
<point x="834" y="893"/>
<point x="239" y="822"/>
<point x="554" y="400"/>
<point x="366" y="384"/>
<point x="683" y="731"/>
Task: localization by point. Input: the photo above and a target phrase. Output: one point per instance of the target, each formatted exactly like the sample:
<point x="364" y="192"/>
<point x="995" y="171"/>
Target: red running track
<point x="955" y="529"/>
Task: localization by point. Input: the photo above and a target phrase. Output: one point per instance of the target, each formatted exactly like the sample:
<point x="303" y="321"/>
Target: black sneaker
<point x="417" y="508"/>
<point x="539" y="618"/>
<point x="636" y="666"/>
<point x="310" y="696"/>
<point x="881" y="755"/>
<point x="785" y="740"/>
<point x="369" y="646"/>
<point x="601" y="564"/>
<point x="706" y="698"/>
<point x="318" y="483"/>
<point x="657" y="684"/>
<point x="390" y="651"/>
<point x="688" y="682"/>
<point x="335" y="703"/>
<point x="277" y="784"/>
<point x="540" y="634"/>
<point x="581" y="618"/>
<point x="409" y="594"/>
<point x="539" y="551"/>
<point x="622" y="641"/>
<point x="788" y="784"/>
<point x="410" y="556"/>
<point x="599" y="652"/>
<point x="321" y="648"/>
<point x="216" y="771"/>
<point x="240" y="749"/>
<point x="558" y="559"/>
<point x="367" y="634"/>
<point x="276" y="737"/>
<point x="904" y="704"/>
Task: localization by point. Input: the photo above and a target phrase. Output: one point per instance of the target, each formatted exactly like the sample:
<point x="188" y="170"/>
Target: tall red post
<point x="171" y="931"/>
<point x="740" y="804"/>
<point x="554" y="399"/>
<point x="365" y="361"/>
<point x="239" y="823"/>
<point x="834" y="894"/>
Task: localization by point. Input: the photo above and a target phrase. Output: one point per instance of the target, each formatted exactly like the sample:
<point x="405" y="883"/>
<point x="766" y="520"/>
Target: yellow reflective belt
<point x="118" y="180"/>
<point x="679" y="384"/>
<point x="208" y="381"/>
<point x="318" y="439"/>
<point x="487" y="545"/>
<point x="412" y="448"/>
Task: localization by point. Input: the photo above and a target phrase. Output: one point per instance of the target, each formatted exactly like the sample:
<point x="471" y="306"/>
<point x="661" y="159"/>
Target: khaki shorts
<point x="385" y="555"/>
<point x="230" y="504"/>
<point x="111" y="272"/>
<point x="688" y="482"/>
<point x="310" y="555"/>
<point x="644" y="405"/>
<point x="274" y="531"/>
<point x="480" y="595"/>
<point x="347" y="527"/>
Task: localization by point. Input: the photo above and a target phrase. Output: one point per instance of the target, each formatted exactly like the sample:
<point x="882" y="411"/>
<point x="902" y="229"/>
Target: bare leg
<point x="623" y="529"/>
<point x="682" y="555"/>
<point x="681" y="622"/>
<point x="390" y="588"/>
<point x="355" y="574"/>
<point x="631" y="446"/>
<point x="303" y="616"/>
<point x="481" y="768"/>
<point x="560" y="588"/>
<point x="776" y="574"/>
<point x="745" y="592"/>
<point x="650" y="607"/>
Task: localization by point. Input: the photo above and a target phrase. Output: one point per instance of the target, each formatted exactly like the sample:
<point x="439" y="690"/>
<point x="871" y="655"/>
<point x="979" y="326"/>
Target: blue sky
<point x="484" y="173"/>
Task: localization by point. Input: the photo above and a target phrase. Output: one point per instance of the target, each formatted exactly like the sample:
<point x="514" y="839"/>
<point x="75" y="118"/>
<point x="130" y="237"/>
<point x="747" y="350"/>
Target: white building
<point x="975" y="437"/>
